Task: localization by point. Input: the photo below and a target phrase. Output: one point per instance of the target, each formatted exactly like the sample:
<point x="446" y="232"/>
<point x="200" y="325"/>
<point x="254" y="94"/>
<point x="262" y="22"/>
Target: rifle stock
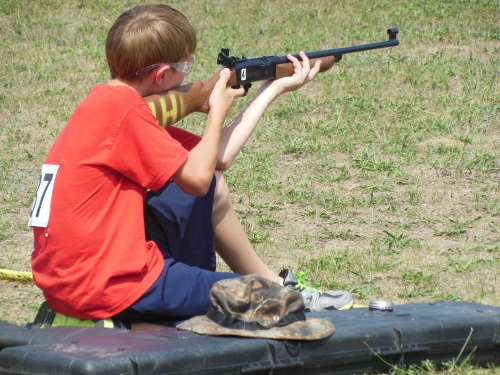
<point x="170" y="106"/>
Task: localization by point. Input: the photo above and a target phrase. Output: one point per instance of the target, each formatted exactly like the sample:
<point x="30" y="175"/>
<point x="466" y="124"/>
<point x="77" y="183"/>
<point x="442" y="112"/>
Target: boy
<point x="113" y="249"/>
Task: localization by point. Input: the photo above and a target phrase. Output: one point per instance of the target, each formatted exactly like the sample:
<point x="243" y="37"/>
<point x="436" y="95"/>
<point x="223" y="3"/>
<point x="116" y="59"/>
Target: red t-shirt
<point x="92" y="259"/>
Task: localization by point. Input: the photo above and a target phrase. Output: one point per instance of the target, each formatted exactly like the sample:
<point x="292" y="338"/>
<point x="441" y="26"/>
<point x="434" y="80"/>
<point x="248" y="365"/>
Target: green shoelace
<point x="301" y="278"/>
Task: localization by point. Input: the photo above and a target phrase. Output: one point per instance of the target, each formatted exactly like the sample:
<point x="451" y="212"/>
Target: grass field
<point x="381" y="177"/>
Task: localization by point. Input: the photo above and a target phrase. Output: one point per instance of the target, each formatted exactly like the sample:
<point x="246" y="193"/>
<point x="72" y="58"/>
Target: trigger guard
<point x="247" y="87"/>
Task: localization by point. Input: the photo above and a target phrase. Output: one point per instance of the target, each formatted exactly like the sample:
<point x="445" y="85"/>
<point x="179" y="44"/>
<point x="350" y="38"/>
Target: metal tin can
<point x="381" y="305"/>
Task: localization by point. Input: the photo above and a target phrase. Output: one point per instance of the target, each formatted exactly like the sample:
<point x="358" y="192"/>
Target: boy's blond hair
<point x="146" y="35"/>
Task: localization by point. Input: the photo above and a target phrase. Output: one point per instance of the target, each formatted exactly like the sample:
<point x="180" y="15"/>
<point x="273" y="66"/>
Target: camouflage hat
<point x="252" y="306"/>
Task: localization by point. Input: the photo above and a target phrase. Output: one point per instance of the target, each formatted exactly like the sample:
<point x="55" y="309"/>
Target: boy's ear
<point x="160" y="74"/>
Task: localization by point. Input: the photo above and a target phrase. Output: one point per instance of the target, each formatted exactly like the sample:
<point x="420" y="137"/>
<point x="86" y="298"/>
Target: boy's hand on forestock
<point x="301" y="75"/>
<point x="222" y="97"/>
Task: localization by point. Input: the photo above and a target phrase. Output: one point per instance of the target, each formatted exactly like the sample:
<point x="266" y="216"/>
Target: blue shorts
<point x="181" y="226"/>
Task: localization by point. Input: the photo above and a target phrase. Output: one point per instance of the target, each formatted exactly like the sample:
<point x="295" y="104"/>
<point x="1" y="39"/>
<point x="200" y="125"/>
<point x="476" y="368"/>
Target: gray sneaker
<point x="316" y="301"/>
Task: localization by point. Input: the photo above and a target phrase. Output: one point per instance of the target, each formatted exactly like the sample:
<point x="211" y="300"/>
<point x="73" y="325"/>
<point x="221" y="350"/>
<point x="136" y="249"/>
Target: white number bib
<point x="40" y="211"/>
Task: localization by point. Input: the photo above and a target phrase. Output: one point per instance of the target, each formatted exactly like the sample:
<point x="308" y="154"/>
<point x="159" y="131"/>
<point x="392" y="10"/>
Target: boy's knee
<point x="222" y="198"/>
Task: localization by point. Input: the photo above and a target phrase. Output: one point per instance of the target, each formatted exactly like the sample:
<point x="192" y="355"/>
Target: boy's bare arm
<point x="196" y="174"/>
<point x="236" y="134"/>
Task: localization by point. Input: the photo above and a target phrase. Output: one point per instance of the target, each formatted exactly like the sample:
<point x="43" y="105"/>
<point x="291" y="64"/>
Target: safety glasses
<point x="185" y="67"/>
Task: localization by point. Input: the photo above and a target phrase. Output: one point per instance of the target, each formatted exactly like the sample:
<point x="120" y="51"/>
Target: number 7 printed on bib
<point x="40" y="210"/>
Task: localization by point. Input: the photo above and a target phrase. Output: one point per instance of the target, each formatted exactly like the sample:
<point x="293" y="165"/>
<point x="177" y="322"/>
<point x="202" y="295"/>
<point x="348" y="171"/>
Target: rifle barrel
<point x="392" y="42"/>
<point x="344" y="50"/>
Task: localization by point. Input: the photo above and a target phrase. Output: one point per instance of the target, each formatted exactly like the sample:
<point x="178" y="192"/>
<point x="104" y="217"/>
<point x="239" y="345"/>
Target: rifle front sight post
<point x="393" y="33"/>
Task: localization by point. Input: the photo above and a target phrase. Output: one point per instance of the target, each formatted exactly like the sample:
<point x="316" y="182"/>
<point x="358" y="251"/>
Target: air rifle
<point x="170" y="106"/>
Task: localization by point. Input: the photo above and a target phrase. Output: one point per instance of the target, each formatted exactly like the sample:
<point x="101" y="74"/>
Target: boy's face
<point x="174" y="76"/>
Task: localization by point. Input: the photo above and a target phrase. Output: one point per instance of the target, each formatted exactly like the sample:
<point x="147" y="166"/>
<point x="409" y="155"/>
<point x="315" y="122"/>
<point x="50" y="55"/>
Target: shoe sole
<point x="347" y="306"/>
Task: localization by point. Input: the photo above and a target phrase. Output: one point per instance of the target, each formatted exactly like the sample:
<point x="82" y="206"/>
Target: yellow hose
<point x="26" y="277"/>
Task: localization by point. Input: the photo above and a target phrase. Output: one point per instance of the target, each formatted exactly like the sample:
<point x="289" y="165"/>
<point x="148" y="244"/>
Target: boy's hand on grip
<point x="222" y="98"/>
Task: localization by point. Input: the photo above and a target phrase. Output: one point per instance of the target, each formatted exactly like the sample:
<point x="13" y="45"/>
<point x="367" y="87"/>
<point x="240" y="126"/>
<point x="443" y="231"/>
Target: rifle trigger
<point x="247" y="86"/>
